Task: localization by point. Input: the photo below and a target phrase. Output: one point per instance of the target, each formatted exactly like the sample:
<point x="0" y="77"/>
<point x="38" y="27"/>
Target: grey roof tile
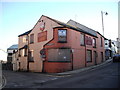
<point x="13" y="47"/>
<point x="84" y="28"/>
<point x="26" y="33"/>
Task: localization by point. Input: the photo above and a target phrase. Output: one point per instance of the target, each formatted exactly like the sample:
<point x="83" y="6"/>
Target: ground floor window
<point x="89" y="56"/>
<point x="60" y="55"/>
<point x="24" y="52"/>
<point x="31" y="58"/>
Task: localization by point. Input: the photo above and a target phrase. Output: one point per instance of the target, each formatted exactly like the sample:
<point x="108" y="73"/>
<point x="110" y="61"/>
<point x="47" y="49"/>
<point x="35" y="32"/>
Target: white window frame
<point x="24" y="39"/>
<point x="82" y="39"/>
<point x="62" y="35"/>
<point x="94" y="42"/>
<point x="23" y="52"/>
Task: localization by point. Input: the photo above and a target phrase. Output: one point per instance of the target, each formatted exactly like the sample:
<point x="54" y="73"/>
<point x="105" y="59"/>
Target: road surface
<point x="106" y="76"/>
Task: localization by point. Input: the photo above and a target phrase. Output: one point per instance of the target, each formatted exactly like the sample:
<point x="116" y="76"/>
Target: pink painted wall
<point x="21" y="58"/>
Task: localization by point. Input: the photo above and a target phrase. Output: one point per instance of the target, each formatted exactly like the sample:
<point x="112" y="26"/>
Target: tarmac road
<point x="105" y="76"/>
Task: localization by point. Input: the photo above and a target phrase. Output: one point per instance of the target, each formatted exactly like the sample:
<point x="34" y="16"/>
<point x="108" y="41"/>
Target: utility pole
<point x="75" y="17"/>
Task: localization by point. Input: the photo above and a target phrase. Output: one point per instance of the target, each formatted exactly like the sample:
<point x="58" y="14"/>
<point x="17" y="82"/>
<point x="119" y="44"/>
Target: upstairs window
<point x="94" y="42"/>
<point x="101" y="42"/>
<point x="24" y="39"/>
<point x="82" y="39"/>
<point x="88" y="40"/>
<point x="31" y="38"/>
<point x="62" y="36"/>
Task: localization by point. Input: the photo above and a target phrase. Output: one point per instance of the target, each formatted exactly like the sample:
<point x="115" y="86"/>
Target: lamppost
<point x="102" y="20"/>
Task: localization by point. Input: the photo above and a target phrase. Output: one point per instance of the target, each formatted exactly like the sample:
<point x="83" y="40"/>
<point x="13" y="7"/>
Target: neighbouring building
<point x="10" y="51"/>
<point x="108" y="51"/>
<point x="114" y="47"/>
<point x="110" y="48"/>
<point x="53" y="46"/>
<point x="15" y="61"/>
<point x="118" y="45"/>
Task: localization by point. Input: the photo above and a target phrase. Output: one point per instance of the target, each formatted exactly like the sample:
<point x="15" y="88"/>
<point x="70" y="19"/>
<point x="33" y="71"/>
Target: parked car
<point x="116" y="58"/>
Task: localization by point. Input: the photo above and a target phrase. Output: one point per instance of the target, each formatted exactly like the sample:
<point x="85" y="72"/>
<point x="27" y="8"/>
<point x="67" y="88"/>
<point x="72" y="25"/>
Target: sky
<point x="19" y="16"/>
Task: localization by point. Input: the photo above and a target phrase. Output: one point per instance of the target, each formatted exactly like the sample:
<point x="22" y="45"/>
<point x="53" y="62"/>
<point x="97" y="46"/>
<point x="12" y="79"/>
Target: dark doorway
<point x="101" y="56"/>
<point x="95" y="57"/>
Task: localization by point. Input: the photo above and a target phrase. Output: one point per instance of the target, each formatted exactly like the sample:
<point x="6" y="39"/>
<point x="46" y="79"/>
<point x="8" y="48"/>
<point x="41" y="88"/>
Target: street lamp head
<point x="106" y="13"/>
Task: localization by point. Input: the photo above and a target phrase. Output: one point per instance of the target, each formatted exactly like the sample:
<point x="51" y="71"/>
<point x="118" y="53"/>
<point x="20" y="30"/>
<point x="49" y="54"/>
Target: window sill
<point x="62" y="41"/>
<point x="60" y="61"/>
<point x="25" y="55"/>
<point x="31" y="61"/>
<point x="82" y="45"/>
<point x="89" y="61"/>
<point x="31" y="42"/>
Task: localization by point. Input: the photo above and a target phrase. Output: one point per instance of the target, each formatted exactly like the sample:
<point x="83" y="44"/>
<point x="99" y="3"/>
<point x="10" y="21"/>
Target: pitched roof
<point x="13" y="47"/>
<point x="26" y="33"/>
<point x="73" y="27"/>
<point x="84" y="28"/>
<point x="78" y="27"/>
<point x="101" y="35"/>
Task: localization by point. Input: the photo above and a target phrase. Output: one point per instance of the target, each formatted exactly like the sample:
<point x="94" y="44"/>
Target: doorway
<point x="95" y="57"/>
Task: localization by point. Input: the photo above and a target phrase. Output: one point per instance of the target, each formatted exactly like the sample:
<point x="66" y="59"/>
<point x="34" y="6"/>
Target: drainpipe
<point x="28" y="54"/>
<point x="85" y="52"/>
<point x="72" y="58"/>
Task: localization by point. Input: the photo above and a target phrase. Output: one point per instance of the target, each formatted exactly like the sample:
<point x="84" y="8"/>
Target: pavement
<point x="84" y="69"/>
<point x="68" y="73"/>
